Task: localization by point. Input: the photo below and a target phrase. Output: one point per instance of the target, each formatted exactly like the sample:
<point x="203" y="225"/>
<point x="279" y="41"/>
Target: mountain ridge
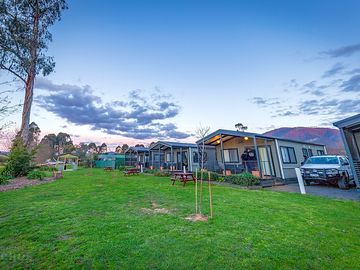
<point x="328" y="136"/>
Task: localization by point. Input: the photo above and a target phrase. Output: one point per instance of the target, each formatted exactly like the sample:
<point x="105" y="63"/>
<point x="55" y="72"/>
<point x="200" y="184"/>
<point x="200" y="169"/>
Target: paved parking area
<point x="320" y="190"/>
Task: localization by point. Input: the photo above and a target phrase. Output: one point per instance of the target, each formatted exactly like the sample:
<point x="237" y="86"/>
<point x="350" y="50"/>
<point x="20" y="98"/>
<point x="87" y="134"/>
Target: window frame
<point x="320" y="154"/>
<point x="287" y="148"/>
<point x="237" y="155"/>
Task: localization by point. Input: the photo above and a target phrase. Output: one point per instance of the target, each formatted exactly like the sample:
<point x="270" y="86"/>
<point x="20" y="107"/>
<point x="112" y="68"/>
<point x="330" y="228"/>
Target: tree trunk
<point x="29" y="86"/>
<point x="25" y="120"/>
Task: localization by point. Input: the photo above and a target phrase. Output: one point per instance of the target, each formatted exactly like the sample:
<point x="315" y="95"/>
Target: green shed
<point x="111" y="159"/>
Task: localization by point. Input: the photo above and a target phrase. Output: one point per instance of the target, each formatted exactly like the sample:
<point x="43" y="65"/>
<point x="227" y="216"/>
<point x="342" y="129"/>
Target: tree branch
<point x="12" y="72"/>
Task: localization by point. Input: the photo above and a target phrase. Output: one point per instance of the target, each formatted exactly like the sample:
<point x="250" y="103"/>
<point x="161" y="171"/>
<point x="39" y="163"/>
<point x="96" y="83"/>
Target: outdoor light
<point x="218" y="141"/>
<point x="246" y="138"/>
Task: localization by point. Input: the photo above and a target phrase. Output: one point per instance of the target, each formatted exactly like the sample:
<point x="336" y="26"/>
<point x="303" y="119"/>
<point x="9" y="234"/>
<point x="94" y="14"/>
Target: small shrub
<point x="4" y="176"/>
<point x="162" y="173"/>
<point x="40" y="175"/>
<point x="153" y="171"/>
<point x="122" y="168"/>
<point x="47" y="169"/>
<point x="243" y="179"/>
<point x="213" y="176"/>
<point x="19" y="162"/>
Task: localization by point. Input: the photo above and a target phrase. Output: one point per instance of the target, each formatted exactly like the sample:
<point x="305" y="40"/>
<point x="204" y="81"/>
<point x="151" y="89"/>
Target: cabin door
<point x="266" y="161"/>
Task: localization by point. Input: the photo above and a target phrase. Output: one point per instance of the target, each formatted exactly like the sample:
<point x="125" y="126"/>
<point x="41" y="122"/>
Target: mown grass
<point x="97" y="222"/>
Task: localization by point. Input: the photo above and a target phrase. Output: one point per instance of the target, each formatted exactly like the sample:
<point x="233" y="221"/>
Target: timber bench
<point x="131" y="172"/>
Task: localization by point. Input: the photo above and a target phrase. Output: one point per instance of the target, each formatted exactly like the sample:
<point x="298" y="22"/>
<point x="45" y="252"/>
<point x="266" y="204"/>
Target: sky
<point x="140" y="71"/>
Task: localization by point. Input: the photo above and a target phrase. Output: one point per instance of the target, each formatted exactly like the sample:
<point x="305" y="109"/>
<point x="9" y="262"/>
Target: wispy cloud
<point x="265" y="102"/>
<point x="140" y="116"/>
<point x="334" y="70"/>
<point x="344" y="51"/>
<point x="352" y="84"/>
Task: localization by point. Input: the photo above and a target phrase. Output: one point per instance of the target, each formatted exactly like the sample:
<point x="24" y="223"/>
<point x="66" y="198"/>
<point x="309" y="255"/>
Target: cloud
<point x="265" y="102"/>
<point x="139" y="117"/>
<point x="354" y="71"/>
<point x="352" y="84"/>
<point x="314" y="89"/>
<point x="344" y="51"/>
<point x="329" y="107"/>
<point x="334" y="70"/>
<point x="285" y="113"/>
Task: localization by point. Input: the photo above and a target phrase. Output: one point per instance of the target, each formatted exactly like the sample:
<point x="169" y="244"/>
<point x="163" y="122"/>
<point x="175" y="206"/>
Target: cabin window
<point x="195" y="157"/>
<point x="288" y="155"/>
<point x="320" y="152"/>
<point x="231" y="155"/>
<point x="168" y="157"/>
<point x="305" y="153"/>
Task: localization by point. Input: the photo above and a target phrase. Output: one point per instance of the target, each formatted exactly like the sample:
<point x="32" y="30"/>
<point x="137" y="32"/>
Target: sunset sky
<point x="138" y="71"/>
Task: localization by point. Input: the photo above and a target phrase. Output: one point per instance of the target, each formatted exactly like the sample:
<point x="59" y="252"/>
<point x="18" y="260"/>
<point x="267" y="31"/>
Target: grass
<point x="97" y="222"/>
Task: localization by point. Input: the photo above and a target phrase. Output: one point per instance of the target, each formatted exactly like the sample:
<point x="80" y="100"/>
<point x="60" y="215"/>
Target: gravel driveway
<point x="319" y="190"/>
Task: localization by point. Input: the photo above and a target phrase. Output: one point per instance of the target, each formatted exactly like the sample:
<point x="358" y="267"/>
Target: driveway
<point x="319" y="190"/>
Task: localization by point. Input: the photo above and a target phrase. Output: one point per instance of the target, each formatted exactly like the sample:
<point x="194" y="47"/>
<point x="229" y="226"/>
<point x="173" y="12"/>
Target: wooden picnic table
<point x="108" y="168"/>
<point x="131" y="171"/>
<point x="183" y="177"/>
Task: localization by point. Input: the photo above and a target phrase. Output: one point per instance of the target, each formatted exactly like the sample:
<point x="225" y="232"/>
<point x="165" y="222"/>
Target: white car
<point x="329" y="169"/>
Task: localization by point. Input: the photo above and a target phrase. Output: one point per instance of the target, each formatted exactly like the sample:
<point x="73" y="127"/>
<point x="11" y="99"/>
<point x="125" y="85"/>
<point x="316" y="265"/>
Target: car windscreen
<point x="322" y="160"/>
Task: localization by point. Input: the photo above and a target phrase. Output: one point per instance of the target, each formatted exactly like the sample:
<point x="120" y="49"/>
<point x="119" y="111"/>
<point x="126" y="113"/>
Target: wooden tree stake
<point x="196" y="198"/>
<point x="210" y="195"/>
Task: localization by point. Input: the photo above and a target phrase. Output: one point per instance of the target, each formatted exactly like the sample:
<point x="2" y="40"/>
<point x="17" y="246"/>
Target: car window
<point x="322" y="160"/>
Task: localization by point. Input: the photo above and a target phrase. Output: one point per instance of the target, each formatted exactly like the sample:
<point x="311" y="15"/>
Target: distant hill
<point x="328" y="136"/>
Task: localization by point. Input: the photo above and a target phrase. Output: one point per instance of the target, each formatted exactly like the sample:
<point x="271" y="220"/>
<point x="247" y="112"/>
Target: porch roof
<point x="352" y="122"/>
<point x="165" y="144"/>
<point x="137" y="149"/>
<point x="212" y="139"/>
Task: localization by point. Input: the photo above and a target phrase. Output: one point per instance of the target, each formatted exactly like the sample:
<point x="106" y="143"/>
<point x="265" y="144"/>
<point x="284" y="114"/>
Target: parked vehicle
<point x="328" y="169"/>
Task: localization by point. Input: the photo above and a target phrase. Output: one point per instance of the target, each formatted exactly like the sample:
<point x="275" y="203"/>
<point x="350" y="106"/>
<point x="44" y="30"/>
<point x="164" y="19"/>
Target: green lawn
<point x="98" y="222"/>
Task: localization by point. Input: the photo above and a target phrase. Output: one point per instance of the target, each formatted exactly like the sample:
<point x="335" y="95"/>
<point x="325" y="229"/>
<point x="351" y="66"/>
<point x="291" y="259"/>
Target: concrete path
<point x="319" y="190"/>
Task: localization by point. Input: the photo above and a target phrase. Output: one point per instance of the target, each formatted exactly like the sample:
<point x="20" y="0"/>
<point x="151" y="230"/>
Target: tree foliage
<point x="51" y="146"/>
<point x="24" y="38"/>
<point x="19" y="162"/>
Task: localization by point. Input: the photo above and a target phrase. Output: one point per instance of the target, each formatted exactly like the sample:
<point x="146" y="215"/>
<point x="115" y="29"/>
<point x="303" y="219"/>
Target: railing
<point x="357" y="168"/>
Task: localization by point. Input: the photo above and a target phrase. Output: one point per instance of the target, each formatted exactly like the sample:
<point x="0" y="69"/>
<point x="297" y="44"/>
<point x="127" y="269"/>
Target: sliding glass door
<point x="266" y="161"/>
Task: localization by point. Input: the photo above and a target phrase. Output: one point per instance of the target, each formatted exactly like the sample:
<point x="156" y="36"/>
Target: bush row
<point x="243" y="179"/>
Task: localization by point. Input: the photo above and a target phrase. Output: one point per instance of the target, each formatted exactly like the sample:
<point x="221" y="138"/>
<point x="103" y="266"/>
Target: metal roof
<point x="167" y="144"/>
<point x="229" y="134"/>
<point x="348" y="122"/>
<point x="137" y="149"/>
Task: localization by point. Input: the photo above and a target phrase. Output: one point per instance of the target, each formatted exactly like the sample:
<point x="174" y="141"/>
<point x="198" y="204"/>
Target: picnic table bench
<point x="131" y="171"/>
<point x="183" y="177"/>
<point x="108" y="168"/>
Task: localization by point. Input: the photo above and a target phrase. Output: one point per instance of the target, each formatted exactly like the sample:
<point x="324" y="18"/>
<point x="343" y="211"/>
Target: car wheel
<point x="343" y="182"/>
